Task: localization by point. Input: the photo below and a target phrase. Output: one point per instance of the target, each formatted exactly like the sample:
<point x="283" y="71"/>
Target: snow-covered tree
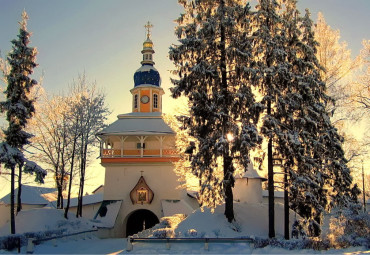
<point x="338" y="68"/>
<point x="270" y="58"/>
<point x="19" y="108"/>
<point x="183" y="165"/>
<point x="361" y="95"/>
<point x="52" y="141"/>
<point x="322" y="178"/>
<point x="88" y="115"/>
<point x="341" y="74"/>
<point x="297" y="125"/>
<point x="213" y="63"/>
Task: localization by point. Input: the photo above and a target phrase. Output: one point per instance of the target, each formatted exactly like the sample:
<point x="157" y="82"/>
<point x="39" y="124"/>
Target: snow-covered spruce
<point x="19" y="108"/>
<point x="214" y="70"/>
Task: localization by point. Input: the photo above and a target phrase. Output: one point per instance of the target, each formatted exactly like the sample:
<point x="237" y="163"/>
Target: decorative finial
<point x="148" y="26"/>
<point x="142" y="173"/>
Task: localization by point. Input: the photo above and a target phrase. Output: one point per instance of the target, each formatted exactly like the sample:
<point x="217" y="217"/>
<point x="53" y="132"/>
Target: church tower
<point x="138" y="151"/>
<point x="147" y="93"/>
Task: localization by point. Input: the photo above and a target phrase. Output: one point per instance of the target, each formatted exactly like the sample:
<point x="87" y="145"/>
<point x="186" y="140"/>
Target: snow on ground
<point x="43" y="219"/>
<point x="204" y="224"/>
<point x="251" y="220"/>
<point x="118" y="246"/>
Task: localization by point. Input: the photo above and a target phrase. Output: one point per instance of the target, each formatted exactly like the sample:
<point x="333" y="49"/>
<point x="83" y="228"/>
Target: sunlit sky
<point x="104" y="39"/>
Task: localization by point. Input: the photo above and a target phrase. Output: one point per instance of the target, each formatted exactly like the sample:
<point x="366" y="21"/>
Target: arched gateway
<point x="140" y="220"/>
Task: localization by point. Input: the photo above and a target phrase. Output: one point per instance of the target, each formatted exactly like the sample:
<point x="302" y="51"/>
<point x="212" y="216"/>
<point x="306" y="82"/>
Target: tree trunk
<point x="60" y="196"/>
<point x="12" y="216"/>
<point x="19" y="195"/>
<point x="70" y="179"/>
<point x="270" y="169"/>
<point x="286" y="205"/>
<point x="228" y="185"/>
<point x="228" y="178"/>
<point x="82" y="176"/>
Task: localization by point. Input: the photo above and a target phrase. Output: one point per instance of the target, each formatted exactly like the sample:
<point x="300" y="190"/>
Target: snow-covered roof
<point x="31" y="195"/>
<point x="47" y="219"/>
<point x="172" y="207"/>
<point x="138" y="124"/>
<point x="98" y="189"/>
<point x="86" y="200"/>
<point x="192" y="193"/>
<point x="107" y="214"/>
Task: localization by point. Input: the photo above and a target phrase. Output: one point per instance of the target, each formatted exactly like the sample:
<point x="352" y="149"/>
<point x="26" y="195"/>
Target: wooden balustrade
<point x="117" y="153"/>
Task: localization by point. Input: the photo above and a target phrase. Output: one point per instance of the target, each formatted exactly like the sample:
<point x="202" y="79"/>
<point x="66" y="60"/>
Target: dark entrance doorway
<point x="140" y="220"/>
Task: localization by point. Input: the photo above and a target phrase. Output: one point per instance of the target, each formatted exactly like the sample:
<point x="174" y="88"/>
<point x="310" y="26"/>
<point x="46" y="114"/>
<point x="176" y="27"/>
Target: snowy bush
<point x="193" y="233"/>
<point x="299" y="229"/>
<point x="350" y="229"/>
<point x="308" y="243"/>
<point x="172" y="221"/>
<point x="163" y="233"/>
<point x="11" y="242"/>
<point x="167" y="225"/>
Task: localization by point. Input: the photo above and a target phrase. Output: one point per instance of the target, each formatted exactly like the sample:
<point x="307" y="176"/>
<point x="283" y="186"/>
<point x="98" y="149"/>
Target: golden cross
<point x="148" y="26"/>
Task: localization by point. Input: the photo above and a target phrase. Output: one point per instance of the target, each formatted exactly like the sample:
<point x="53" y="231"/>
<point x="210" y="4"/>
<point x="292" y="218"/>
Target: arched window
<point x="135" y="101"/>
<point x="155" y="101"/>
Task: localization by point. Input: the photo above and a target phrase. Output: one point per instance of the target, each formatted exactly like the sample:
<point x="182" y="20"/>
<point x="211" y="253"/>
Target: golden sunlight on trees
<point x="347" y="81"/>
<point x="183" y="166"/>
<point x="51" y="140"/>
<point x="335" y="58"/>
<point x="361" y="93"/>
<point x="64" y="129"/>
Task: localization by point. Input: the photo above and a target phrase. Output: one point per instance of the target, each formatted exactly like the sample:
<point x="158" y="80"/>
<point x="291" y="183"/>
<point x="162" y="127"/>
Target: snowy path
<point x="118" y="246"/>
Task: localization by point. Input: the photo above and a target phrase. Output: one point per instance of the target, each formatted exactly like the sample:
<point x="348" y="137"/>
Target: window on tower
<point x="155" y="101"/>
<point x="135" y="101"/>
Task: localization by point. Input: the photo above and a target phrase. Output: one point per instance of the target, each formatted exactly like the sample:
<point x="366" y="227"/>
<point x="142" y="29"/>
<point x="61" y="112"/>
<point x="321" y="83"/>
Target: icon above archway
<point x="141" y="193"/>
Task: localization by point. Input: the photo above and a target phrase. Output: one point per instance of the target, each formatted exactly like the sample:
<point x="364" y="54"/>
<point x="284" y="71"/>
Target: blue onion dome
<point x="147" y="75"/>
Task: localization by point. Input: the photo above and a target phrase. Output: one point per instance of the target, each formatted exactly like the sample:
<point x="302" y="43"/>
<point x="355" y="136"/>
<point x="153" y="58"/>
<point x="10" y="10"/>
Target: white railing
<point x="118" y="153"/>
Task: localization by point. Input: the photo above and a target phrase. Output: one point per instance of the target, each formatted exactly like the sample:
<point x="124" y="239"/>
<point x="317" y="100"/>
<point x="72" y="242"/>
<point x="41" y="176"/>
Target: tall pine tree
<point x="311" y="145"/>
<point x="19" y="108"/>
<point x="270" y="56"/>
<point x="213" y="62"/>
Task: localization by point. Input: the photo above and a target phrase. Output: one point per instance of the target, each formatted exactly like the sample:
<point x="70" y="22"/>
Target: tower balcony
<point x="120" y="149"/>
<point x="118" y="153"/>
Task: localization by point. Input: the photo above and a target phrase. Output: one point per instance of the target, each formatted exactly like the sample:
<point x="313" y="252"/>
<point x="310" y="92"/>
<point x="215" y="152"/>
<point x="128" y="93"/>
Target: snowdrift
<point x="46" y="219"/>
<point x="251" y="221"/>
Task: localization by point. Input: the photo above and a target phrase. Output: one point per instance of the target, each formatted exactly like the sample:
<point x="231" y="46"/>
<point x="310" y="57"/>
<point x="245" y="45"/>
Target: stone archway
<point x="139" y="220"/>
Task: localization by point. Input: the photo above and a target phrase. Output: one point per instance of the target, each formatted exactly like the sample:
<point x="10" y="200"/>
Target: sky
<point x="104" y="39"/>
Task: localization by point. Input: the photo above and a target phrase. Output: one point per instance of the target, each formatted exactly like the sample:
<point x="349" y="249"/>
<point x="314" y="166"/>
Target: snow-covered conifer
<point x="19" y="108"/>
<point x="213" y="63"/>
<point x="320" y="174"/>
<point x="270" y="55"/>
